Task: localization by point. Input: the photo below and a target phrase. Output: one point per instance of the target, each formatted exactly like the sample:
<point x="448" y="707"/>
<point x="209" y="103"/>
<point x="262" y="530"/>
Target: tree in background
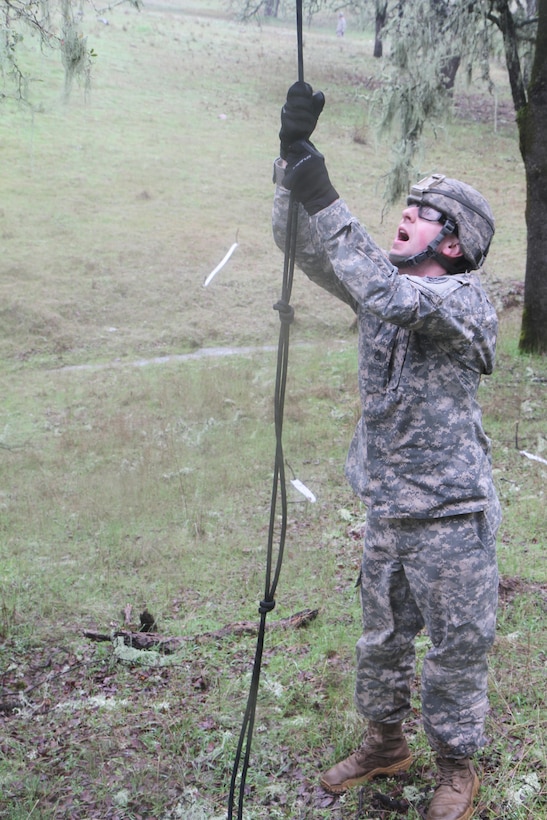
<point x="381" y="8"/>
<point x="530" y="101"/>
<point x="428" y="38"/>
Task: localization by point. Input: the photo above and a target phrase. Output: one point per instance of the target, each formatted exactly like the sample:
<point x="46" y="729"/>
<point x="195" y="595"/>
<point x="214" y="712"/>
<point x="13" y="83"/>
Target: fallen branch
<point x="163" y="643"/>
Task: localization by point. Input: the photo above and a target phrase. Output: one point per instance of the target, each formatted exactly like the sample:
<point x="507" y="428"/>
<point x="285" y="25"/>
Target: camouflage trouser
<point x="440" y="574"/>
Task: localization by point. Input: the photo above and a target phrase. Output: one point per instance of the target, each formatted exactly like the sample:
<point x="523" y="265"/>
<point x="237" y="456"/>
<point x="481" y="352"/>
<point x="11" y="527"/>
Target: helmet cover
<point x="466" y="207"/>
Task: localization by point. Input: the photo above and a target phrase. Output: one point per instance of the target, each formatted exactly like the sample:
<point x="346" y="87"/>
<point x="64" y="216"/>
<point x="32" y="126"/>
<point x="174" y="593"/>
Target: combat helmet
<point x="466" y="214"/>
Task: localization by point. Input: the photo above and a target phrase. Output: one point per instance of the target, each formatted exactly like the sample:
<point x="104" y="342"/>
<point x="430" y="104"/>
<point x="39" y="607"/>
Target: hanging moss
<point x="430" y="40"/>
<point x="75" y="54"/>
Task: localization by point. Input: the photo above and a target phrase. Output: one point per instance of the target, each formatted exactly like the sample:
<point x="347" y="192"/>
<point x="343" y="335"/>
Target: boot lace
<point x="447" y="769"/>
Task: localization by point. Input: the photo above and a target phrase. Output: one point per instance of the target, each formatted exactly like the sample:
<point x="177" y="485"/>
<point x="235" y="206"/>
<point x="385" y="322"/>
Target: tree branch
<point x="168" y="645"/>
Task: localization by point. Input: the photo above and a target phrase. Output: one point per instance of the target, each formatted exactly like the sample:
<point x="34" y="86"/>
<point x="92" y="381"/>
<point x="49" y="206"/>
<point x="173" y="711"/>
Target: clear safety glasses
<point x="430" y="214"/>
<point x="419" y="189"/>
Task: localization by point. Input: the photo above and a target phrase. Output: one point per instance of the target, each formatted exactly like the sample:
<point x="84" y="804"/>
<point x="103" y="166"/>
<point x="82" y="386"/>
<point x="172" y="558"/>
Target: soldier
<point x="419" y="459"/>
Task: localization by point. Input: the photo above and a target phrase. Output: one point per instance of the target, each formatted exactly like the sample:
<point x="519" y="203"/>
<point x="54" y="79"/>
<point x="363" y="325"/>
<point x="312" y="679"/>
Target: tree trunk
<point x="271" y="8"/>
<point x="381" y="15"/>
<point x="532" y="122"/>
<point x="449" y="69"/>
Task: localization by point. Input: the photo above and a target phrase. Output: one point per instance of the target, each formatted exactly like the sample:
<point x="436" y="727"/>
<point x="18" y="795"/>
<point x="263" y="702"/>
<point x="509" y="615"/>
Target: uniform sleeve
<point x="310" y="255"/>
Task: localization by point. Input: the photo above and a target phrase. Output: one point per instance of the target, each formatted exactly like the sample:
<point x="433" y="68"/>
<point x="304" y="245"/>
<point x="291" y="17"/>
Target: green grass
<point x="132" y="479"/>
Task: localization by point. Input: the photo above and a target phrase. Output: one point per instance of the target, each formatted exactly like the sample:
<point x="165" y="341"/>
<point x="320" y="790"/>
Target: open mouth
<point x="402" y="235"/>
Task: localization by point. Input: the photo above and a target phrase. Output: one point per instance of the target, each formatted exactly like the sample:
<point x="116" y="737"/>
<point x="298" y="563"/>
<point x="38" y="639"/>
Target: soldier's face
<point x="414" y="233"/>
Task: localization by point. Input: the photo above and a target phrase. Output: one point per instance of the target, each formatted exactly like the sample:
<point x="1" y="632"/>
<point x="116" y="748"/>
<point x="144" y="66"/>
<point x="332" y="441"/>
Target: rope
<point x="279" y="489"/>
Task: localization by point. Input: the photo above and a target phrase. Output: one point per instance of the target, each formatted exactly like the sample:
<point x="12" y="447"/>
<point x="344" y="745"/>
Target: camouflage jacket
<point x="419" y="449"/>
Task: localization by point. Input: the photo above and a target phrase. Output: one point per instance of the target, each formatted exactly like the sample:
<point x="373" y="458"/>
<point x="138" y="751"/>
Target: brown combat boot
<point x="384" y="751"/>
<point x="457" y="787"/>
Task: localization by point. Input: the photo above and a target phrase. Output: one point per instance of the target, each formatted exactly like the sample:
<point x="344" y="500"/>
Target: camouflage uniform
<point x="420" y="461"/>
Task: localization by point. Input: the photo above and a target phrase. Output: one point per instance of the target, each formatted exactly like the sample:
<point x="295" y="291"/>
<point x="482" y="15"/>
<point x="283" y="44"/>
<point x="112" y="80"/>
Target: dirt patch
<point x="509" y="588"/>
<point x="484" y="109"/>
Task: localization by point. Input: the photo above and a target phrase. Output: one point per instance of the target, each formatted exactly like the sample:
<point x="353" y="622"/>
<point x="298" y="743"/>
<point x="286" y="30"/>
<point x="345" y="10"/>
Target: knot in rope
<point x="266" y="606"/>
<point x="286" y="312"/>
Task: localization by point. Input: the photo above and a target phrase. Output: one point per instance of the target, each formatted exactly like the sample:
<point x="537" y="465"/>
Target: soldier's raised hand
<point x="299" y="115"/>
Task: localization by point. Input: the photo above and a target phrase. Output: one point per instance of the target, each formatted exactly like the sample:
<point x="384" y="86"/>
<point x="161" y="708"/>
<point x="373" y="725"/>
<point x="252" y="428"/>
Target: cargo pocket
<point x="474" y="596"/>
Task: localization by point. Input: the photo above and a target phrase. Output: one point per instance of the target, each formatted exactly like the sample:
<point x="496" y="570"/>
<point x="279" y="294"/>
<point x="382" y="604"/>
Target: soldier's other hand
<point x="307" y="177"/>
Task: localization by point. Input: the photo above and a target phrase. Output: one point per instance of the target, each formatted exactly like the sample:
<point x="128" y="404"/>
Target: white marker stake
<point x="220" y="265"/>
<point x="533" y="457"/>
<point x="303" y="489"/>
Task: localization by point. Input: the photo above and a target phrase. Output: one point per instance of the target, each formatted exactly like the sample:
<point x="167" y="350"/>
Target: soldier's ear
<point x="450" y="246"/>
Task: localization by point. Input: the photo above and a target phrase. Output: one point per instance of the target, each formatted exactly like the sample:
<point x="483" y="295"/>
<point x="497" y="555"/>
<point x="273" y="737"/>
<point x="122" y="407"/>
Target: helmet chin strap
<point x="430" y="252"/>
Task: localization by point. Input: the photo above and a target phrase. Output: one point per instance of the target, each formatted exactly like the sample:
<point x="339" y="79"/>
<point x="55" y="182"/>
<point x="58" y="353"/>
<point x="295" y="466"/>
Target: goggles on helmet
<point x="431" y="214"/>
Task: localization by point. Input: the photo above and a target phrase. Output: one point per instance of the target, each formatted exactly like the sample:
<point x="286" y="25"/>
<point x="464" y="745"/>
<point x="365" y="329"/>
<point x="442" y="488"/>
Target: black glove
<point x="307" y="177"/>
<point x="299" y="115"/>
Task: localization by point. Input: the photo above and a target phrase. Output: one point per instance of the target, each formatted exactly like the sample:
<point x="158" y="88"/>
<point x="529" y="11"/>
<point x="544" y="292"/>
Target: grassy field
<point x="137" y="439"/>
